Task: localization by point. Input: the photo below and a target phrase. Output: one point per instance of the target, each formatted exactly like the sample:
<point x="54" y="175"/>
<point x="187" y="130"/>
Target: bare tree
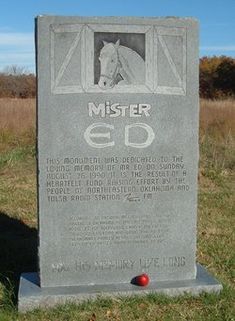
<point x="15" y="70"/>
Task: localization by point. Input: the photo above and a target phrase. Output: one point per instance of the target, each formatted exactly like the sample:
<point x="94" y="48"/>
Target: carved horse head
<point x="109" y="65"/>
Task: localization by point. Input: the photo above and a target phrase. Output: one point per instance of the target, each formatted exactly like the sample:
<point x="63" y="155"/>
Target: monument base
<point x="31" y="296"/>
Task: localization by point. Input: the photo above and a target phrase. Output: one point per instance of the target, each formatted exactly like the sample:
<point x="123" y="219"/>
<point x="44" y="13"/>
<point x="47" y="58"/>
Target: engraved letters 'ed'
<point x="88" y="135"/>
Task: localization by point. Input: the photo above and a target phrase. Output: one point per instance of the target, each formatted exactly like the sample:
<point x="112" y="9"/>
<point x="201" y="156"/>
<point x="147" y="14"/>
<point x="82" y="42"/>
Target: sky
<point x="216" y="18"/>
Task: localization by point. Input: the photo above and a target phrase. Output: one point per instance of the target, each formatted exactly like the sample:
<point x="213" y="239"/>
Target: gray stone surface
<point x="117" y="149"/>
<point x="32" y="296"/>
<point x="117" y="118"/>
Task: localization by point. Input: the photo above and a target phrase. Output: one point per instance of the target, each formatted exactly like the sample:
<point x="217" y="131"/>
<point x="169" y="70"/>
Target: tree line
<point x="16" y="82"/>
<point x="216" y="75"/>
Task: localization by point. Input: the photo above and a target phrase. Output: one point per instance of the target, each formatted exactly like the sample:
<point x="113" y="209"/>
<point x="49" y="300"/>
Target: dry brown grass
<point x="215" y="223"/>
<point x="17" y="123"/>
<point x="217" y="118"/>
<point x="17" y="115"/>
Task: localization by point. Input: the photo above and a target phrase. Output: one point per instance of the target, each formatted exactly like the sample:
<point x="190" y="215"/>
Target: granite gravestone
<point x="117" y="158"/>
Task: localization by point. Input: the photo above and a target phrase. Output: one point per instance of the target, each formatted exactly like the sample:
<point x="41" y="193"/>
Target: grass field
<point x="216" y="246"/>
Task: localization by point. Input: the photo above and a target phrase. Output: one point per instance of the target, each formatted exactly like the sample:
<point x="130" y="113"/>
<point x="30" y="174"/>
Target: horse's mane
<point x="133" y="66"/>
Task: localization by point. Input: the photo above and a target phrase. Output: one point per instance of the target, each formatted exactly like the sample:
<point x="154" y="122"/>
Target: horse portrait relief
<point x="120" y="65"/>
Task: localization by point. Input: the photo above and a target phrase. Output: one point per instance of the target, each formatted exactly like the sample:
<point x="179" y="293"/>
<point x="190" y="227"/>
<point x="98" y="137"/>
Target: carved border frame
<point x="159" y="33"/>
<point x="55" y="79"/>
<point x="154" y="37"/>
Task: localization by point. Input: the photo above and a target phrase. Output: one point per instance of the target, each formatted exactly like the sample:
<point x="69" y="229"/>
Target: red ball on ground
<point x="142" y="280"/>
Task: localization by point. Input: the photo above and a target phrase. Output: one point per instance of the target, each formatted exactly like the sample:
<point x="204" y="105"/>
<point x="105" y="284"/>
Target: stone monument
<point x="117" y="119"/>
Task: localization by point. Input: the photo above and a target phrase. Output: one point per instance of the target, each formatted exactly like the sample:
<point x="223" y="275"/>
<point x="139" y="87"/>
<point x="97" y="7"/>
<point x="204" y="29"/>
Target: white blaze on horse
<point x="120" y="65"/>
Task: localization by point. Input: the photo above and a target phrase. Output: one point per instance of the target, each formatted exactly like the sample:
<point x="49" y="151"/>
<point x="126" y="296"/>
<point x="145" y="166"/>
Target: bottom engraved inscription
<point x="151" y="263"/>
<point x="117" y="229"/>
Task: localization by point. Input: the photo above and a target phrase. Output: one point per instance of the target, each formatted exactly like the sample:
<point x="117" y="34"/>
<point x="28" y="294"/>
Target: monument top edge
<point x="113" y="19"/>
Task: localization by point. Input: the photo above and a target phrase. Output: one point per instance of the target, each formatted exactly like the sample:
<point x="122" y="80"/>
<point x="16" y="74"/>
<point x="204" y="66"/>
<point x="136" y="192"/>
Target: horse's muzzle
<point x="106" y="82"/>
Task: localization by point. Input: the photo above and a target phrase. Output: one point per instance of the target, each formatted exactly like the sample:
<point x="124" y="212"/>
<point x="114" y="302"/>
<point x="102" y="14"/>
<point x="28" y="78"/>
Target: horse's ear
<point x="117" y="44"/>
<point x="105" y="42"/>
